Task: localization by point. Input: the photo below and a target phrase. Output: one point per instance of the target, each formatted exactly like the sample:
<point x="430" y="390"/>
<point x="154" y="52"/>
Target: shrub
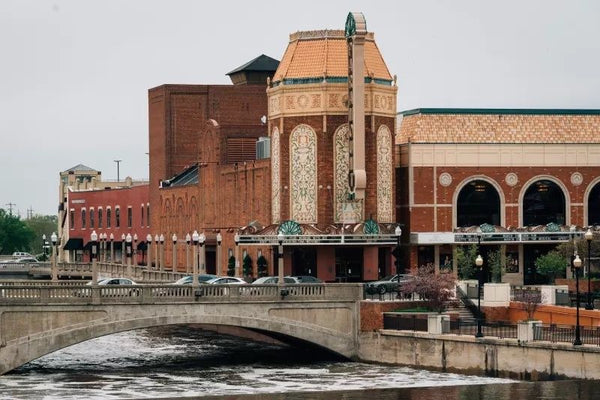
<point x="551" y="264"/>
<point x="247" y="266"/>
<point x="465" y="260"/>
<point x="261" y="265"/>
<point x="437" y="290"/>
<point x="231" y="266"/>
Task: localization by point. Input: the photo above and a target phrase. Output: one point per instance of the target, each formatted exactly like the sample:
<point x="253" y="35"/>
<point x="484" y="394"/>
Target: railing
<point x="566" y="334"/>
<point x="110" y="269"/>
<point x="562" y="297"/>
<point x="526" y="294"/>
<point x="500" y="330"/>
<point x="466" y="300"/>
<point x="149" y="294"/>
<point x="391" y="296"/>
<point x="405" y="322"/>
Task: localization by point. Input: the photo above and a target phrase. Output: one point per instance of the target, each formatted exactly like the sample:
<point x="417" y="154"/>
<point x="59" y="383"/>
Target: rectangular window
<point x="129" y="217"/>
<point x="142" y="215"/>
<point x="117" y="217"/>
<point x="72" y="219"/>
<point x="83" y="218"/>
<point x="91" y="217"/>
<point x="108" y="216"/>
<point x="99" y="218"/>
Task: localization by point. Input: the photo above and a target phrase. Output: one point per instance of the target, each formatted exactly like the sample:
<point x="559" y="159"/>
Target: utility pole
<point x="29" y="212"/>
<point x="10" y="207"/>
<point x="118" y="162"/>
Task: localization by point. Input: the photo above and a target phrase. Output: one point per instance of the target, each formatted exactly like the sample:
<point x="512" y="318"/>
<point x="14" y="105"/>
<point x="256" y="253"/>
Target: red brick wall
<point x="371" y="312"/>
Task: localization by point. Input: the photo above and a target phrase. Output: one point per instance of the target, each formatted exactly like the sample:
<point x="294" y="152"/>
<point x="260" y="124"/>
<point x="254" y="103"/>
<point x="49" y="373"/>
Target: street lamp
<point x="174" y="239"/>
<point x="195" y="240"/>
<point x="398" y="233"/>
<point x="236" y="239"/>
<point x="219" y="240"/>
<point x="588" y="237"/>
<point x="188" y="240"/>
<point x="280" y="273"/>
<point x="201" y="240"/>
<point x="161" y="238"/>
<point x="128" y="247"/>
<point x="112" y="247"/>
<point x="156" y="261"/>
<point x="54" y="240"/>
<point x="94" y="257"/>
<point x="123" y="237"/>
<point x="45" y="247"/>
<point x="134" y="250"/>
<point x="479" y="264"/>
<point x="148" y="251"/>
<point x="577" y="266"/>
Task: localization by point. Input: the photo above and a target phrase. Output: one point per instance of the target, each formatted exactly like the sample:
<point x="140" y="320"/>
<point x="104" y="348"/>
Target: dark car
<point x="202" y="278"/>
<point x="388" y="284"/>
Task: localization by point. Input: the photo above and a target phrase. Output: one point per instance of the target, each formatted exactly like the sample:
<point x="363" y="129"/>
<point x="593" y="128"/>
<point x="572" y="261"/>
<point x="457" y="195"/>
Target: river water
<point x="181" y="361"/>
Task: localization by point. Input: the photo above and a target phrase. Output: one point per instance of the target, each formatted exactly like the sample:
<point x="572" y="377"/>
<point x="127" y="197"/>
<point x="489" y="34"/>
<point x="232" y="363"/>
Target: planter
<point x="438" y="324"/>
<point x="525" y="330"/>
<point x="496" y="294"/>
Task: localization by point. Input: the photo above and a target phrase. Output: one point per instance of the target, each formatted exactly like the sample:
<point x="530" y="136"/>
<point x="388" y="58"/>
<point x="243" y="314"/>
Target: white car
<point x="269" y="280"/>
<point x="226" y="280"/>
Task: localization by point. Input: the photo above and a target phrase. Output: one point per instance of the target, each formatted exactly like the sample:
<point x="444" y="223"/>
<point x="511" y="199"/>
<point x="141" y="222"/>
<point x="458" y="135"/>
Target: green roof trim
<point x="262" y="63"/>
<point x="330" y="79"/>
<point x="500" y="111"/>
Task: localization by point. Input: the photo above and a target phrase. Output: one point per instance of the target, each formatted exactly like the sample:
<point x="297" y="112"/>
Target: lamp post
<point x="236" y="239"/>
<point x="149" y="251"/>
<point x="398" y="233"/>
<point x="174" y="239"/>
<point x="479" y="264"/>
<point x="94" y="256"/>
<point x="134" y="250"/>
<point x="54" y="240"/>
<point x="112" y="248"/>
<point x="123" y="237"/>
<point x="156" y="262"/>
<point x="588" y="237"/>
<point x="195" y="240"/>
<point x="201" y="240"/>
<point x="45" y="246"/>
<point x="219" y="240"/>
<point x="161" y="239"/>
<point x="128" y="247"/>
<point x="188" y="240"/>
<point x="280" y="273"/>
<point x="104" y="240"/>
<point x="577" y="266"/>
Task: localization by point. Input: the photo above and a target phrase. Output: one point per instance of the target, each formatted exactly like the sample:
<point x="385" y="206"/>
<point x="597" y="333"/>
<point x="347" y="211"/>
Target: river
<point x="181" y="361"/>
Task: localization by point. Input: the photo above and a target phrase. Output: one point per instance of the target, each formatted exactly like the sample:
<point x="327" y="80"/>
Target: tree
<point x="15" y="235"/>
<point x="531" y="299"/>
<point x="247" y="266"/>
<point x="41" y="225"/>
<point x="231" y="266"/>
<point x="261" y="266"/>
<point x="551" y="264"/>
<point x="497" y="264"/>
<point x="437" y="290"/>
<point x="465" y="261"/>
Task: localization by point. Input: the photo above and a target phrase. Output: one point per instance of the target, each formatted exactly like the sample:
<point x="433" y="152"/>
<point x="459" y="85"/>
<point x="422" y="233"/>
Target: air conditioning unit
<point x="263" y="148"/>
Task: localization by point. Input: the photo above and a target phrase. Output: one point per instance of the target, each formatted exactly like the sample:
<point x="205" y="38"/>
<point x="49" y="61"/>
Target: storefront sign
<point x="319" y="239"/>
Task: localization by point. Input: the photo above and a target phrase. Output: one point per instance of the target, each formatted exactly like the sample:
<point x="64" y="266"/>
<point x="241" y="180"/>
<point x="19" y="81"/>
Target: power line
<point x="10" y="207"/>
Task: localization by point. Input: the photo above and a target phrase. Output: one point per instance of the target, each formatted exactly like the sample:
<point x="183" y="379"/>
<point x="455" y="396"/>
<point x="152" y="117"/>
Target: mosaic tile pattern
<point x="384" y="175"/>
<point x="303" y="174"/>
<point x="275" y="177"/>
<point x="344" y="211"/>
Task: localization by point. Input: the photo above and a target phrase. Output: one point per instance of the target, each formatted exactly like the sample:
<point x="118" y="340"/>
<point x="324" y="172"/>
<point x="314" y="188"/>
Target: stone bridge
<point x="39" y="319"/>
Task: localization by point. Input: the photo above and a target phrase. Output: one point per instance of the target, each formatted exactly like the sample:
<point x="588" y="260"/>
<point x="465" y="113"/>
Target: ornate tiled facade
<point x="303" y="174"/>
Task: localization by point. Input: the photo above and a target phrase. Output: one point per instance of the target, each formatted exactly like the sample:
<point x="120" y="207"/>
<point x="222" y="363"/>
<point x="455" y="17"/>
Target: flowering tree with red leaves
<point x="436" y="290"/>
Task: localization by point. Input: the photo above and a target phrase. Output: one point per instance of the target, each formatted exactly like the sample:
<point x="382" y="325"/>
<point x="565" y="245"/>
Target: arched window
<point x="594" y="205"/>
<point x="478" y="203"/>
<point x="544" y="202"/>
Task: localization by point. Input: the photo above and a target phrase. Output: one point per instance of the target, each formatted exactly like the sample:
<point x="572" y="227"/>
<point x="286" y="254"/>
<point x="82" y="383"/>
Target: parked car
<point x="226" y="280"/>
<point x="26" y="260"/>
<point x="266" y="280"/>
<point x="187" y="280"/>
<point x="110" y="282"/>
<point x="306" y="279"/>
<point x="19" y="254"/>
<point x="388" y="284"/>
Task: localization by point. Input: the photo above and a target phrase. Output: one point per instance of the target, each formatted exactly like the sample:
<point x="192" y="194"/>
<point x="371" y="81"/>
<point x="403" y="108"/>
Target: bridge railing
<point x="151" y="294"/>
<point x="108" y="269"/>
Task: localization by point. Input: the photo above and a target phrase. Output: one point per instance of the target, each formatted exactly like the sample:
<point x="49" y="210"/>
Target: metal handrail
<point x="469" y="304"/>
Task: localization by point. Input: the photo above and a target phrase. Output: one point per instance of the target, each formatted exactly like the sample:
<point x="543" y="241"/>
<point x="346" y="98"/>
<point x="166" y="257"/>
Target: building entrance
<point x="349" y="264"/>
<point x="531" y="253"/>
<point x="304" y="261"/>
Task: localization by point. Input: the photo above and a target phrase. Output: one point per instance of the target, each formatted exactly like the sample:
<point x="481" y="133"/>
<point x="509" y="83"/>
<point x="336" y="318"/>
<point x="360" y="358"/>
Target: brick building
<point x="516" y="180"/>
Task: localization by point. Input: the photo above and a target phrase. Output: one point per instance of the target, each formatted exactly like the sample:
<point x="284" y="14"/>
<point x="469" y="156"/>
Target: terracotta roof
<point x="512" y="126"/>
<point x="313" y="54"/>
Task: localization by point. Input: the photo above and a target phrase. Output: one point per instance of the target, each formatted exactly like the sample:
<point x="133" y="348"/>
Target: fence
<point x="566" y="334"/>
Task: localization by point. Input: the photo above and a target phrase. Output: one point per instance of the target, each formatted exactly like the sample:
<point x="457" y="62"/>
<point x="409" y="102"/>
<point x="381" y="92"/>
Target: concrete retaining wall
<point x="488" y="356"/>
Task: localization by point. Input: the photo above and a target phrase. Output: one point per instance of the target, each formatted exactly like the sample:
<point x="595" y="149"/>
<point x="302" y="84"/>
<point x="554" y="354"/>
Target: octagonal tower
<point x="331" y="154"/>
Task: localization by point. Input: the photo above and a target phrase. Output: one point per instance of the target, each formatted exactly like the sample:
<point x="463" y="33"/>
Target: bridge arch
<point x="330" y="326"/>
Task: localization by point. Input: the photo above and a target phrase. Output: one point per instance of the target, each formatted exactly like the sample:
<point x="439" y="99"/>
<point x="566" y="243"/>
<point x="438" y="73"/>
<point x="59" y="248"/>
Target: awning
<point x="73" y="244"/>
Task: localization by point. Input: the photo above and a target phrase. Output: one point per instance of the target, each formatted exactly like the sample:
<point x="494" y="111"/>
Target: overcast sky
<point x="74" y="74"/>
